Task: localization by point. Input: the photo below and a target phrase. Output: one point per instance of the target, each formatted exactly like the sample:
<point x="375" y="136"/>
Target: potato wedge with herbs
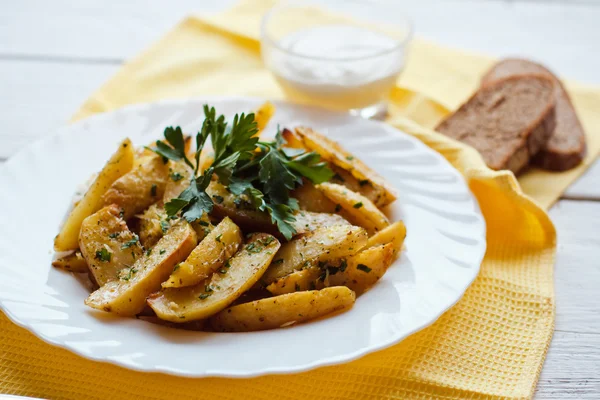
<point x="360" y="210"/>
<point x="221" y="289"/>
<point x="240" y="211"/>
<point x="127" y="296"/>
<point x="263" y="115"/>
<point x="394" y="234"/>
<point x="323" y="244"/>
<point x="292" y="139"/>
<point x="379" y="191"/>
<point x="152" y="225"/>
<point x="282" y="311"/>
<point x="154" y="222"/>
<point x="117" y="166"/>
<point x="312" y="199"/>
<point x="209" y="256"/>
<point x="179" y="179"/>
<point x="73" y="262"/>
<point x="364" y="269"/>
<point x="363" y="186"/>
<point x="296" y="281"/>
<point x="141" y="187"/>
<point x="107" y="245"/>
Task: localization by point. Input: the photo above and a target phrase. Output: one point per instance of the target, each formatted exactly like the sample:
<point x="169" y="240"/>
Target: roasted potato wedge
<point x="307" y="221"/>
<point x="297" y="281"/>
<point x="282" y="311"/>
<point x="312" y="199"/>
<point x="127" y="296"/>
<point x="292" y="139"/>
<point x="220" y="290"/>
<point x="152" y="225"/>
<point x="251" y="220"/>
<point x="364" y="269"/>
<point x="323" y="244"/>
<point x="179" y="179"/>
<point x="263" y="115"/>
<point x="238" y="210"/>
<point x="107" y="245"/>
<point x="117" y="166"/>
<point x="363" y="187"/>
<point x="360" y="210"/>
<point x="379" y="191"/>
<point x="73" y="262"/>
<point x="209" y="256"/>
<point x="141" y="187"/>
<point x="394" y="234"/>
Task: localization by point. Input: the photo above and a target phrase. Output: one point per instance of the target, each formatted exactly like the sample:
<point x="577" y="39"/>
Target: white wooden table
<point x="54" y="54"/>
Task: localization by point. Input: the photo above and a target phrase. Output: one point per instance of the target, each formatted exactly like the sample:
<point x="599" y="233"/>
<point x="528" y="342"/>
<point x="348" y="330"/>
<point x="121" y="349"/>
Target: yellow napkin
<point x="490" y="345"/>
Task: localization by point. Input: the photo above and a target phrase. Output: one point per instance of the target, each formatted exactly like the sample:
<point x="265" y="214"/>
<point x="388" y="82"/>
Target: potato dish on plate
<point x="229" y="231"/>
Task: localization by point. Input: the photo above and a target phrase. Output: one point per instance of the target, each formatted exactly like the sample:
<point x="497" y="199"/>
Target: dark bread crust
<point x="566" y="147"/>
<point x="508" y="121"/>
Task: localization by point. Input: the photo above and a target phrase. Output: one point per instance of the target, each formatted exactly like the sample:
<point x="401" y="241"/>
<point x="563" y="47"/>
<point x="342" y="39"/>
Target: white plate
<point x="444" y="249"/>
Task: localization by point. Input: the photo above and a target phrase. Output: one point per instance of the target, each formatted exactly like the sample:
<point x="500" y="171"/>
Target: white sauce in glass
<point x="347" y="69"/>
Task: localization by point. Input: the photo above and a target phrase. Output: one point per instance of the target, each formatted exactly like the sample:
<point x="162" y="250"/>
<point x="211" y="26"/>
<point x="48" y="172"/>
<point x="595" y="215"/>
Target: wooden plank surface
<point x="54" y="54"/>
<point x="556" y="33"/>
<point x="41" y="97"/>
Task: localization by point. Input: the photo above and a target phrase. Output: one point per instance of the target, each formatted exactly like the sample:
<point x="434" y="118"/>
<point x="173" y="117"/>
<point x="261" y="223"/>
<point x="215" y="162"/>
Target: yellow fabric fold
<point x="490" y="345"/>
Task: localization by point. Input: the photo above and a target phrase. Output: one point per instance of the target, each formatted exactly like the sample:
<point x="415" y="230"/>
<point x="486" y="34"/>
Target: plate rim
<point x="321" y="362"/>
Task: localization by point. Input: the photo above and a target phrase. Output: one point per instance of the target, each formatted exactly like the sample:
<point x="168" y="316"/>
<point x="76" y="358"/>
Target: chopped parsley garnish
<point x="253" y="248"/>
<point x="204" y="296"/>
<point x="343" y="265"/>
<point x="218" y="238"/>
<point x="153" y="190"/>
<point x="176" y="267"/>
<point x="267" y="241"/>
<point x="278" y="261"/>
<point x="349" y="158"/>
<point x="126" y="274"/>
<point x="363" y="267"/>
<point x="363" y="182"/>
<point x="130" y="243"/>
<point x="176" y="176"/>
<point x="263" y="172"/>
<point x="164" y="226"/>
<point x="222" y="271"/>
<point x="218" y="199"/>
<point x="297" y="287"/>
<point x="161" y="252"/>
<point x="148" y="252"/>
<point x="114" y="235"/>
<point x="358" y="205"/>
<point x="103" y="255"/>
<point x="203" y="223"/>
<point x="208" y="289"/>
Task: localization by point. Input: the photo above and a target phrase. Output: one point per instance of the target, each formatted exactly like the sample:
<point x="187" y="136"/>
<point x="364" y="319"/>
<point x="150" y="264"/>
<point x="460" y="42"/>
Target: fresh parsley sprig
<point x="263" y="172"/>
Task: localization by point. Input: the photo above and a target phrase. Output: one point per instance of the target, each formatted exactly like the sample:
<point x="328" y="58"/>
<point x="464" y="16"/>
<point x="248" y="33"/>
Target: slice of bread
<point x="507" y="121"/>
<point x="566" y="147"/>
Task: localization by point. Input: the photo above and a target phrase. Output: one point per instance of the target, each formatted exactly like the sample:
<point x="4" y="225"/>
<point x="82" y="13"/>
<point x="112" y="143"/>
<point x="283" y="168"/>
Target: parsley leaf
<point x="311" y="167"/>
<point x="193" y="202"/>
<point x="103" y="255"/>
<point x="261" y="174"/>
<point x="174" y="148"/>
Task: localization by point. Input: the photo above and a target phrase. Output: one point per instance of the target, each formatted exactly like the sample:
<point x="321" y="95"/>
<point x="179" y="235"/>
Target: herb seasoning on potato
<point x="199" y="234"/>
